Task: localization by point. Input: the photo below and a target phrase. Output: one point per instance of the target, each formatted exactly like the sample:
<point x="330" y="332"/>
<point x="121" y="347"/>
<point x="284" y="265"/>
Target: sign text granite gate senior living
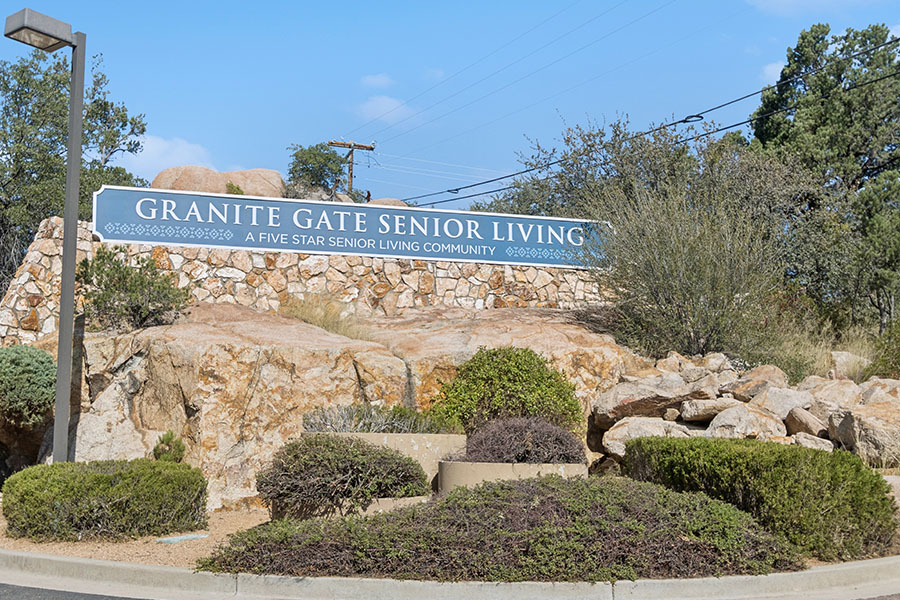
<point x="152" y="216"/>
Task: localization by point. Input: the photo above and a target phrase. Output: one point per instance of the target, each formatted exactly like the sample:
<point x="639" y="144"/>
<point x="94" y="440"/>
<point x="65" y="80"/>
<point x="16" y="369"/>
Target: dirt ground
<point x="147" y="550"/>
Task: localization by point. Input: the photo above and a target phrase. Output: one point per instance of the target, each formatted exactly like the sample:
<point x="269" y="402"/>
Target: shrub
<point x="326" y="312"/>
<point x="546" y="529"/>
<point x="368" y="418"/>
<point x="887" y="357"/>
<point x="233" y="188"/>
<point x="169" y="448"/>
<point x="828" y="504"/>
<point x="508" y="382"/>
<point x="320" y="474"/>
<point x="27" y="385"/>
<point x="104" y="499"/>
<point x="118" y="295"/>
<point x="523" y="440"/>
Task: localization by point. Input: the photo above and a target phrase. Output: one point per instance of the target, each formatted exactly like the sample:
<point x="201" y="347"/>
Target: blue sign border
<point x="119" y="217"/>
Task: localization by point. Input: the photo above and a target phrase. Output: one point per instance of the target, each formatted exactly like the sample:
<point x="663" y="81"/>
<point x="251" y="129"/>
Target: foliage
<point x="317" y="166"/>
<point x="523" y="440"/>
<point x="369" y="418"/>
<point x="319" y="474"/>
<point x="34" y="105"/>
<point x="547" y="529"/>
<point x="325" y="312"/>
<point x="169" y="448"/>
<point x="830" y="505"/>
<point x="233" y="188"/>
<point x="104" y="499"/>
<point x="846" y="242"/>
<point x="690" y="243"/>
<point x="119" y="295"/>
<point x="886" y="362"/>
<point x="508" y="382"/>
<point x="27" y="385"/>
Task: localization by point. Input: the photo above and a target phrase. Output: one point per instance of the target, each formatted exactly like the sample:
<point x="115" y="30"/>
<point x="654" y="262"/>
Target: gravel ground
<point x="147" y="550"/>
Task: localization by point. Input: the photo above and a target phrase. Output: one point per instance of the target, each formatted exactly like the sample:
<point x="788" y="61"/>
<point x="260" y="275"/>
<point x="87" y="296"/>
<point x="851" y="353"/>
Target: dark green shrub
<point x="508" y="382"/>
<point x="523" y="440"/>
<point x="104" y="499"/>
<point x="368" y="418"/>
<point x="546" y="529"/>
<point x="122" y="296"/>
<point x="27" y="385"/>
<point x="169" y="448"/>
<point x="828" y="504"/>
<point x="887" y="358"/>
<point x="320" y="474"/>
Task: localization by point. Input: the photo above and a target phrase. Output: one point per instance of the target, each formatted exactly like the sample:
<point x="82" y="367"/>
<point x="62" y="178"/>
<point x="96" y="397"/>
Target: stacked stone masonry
<point x="264" y="280"/>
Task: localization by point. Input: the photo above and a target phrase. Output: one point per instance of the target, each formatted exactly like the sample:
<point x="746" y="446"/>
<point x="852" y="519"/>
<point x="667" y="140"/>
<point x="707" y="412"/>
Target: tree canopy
<point x="34" y="105"/>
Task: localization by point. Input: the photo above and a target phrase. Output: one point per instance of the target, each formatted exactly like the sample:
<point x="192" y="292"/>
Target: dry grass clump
<point x="326" y="312"/>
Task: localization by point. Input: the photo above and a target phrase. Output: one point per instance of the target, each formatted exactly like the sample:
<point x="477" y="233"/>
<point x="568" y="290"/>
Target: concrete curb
<point x="846" y="581"/>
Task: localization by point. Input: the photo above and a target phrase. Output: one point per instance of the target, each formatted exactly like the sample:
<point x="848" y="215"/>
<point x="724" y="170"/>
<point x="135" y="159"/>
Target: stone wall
<point x="264" y="280"/>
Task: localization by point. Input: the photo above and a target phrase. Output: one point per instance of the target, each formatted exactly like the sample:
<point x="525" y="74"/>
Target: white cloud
<point x="771" y="72"/>
<point x="384" y="108"/>
<point x="380" y="81"/>
<point x="785" y="8"/>
<point x="161" y="153"/>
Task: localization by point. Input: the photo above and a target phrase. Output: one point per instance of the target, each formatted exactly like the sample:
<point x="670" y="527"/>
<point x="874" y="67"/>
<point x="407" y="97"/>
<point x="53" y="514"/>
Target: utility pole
<point x="352" y="146"/>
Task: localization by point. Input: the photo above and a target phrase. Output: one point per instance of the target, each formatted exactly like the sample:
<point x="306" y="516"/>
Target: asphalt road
<point x="15" y="592"/>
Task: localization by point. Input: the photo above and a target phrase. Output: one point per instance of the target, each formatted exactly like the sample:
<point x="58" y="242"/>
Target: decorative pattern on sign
<point x="185" y="233"/>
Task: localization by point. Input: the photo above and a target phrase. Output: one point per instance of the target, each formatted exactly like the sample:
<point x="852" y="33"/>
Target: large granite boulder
<point x="872" y="431"/>
<point x="253" y="182"/>
<point x="234" y="383"/>
<point x="433" y="342"/>
<point x="743" y="421"/>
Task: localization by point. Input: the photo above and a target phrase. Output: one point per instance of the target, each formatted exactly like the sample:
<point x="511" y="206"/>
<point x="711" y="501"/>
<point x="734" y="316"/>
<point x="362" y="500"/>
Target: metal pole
<point x="70" y="246"/>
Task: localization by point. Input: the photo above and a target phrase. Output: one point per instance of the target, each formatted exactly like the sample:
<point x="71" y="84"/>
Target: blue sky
<point x="230" y="85"/>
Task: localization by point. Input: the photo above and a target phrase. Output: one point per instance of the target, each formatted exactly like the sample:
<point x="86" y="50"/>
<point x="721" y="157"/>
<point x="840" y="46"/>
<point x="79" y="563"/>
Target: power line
<point x="501" y="69"/>
<point x="466" y="68"/>
<point x="686" y="119"/>
<point x="435" y="162"/>
<point x="527" y="75"/>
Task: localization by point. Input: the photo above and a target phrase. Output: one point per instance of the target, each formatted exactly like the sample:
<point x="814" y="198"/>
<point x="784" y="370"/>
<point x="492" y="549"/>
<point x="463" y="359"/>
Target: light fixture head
<point x="38" y="30"/>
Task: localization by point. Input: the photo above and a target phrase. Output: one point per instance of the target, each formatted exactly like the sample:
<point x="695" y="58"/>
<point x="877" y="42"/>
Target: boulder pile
<point x="707" y="396"/>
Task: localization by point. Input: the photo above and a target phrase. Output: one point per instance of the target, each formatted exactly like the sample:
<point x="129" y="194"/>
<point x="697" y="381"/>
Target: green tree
<point x="846" y="134"/>
<point x="316" y="166"/>
<point x="844" y="239"/>
<point x="34" y="104"/>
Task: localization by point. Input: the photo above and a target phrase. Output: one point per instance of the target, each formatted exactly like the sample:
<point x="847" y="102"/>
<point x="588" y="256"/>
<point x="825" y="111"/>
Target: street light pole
<point x="49" y="34"/>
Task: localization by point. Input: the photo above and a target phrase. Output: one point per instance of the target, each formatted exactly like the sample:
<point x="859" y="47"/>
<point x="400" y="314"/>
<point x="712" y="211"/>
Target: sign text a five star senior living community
<point x="164" y="217"/>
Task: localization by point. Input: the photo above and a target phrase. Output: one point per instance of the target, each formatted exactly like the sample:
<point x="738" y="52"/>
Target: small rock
<point x="715" y="362"/>
<point x="878" y="389"/>
<point x="799" y="420"/>
<point x="780" y="401"/>
<point x="674" y="363"/>
<point x="744" y="421"/>
<point x="671" y="414"/>
<point x="756" y="381"/>
<point x="630" y="428"/>
<point x="648" y="397"/>
<point x="692" y="374"/>
<point x="810" y="441"/>
<point x="703" y="411"/>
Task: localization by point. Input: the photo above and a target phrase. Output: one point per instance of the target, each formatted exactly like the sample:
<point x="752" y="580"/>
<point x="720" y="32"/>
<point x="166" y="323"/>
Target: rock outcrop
<point x="234" y="382"/>
<point x="253" y="182"/>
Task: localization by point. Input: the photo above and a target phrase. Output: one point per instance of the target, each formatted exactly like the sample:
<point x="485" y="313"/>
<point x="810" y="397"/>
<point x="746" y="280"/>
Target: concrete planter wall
<point x="455" y="473"/>
<point x="428" y="449"/>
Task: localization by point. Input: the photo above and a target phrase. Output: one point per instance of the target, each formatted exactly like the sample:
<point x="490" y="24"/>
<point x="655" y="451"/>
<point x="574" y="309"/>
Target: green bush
<point x="233" y="188"/>
<point x="122" y="296"/>
<point x="368" y="418"/>
<point x="319" y="474"/>
<point x="548" y="529"/>
<point x="27" y="385"/>
<point x="169" y="448"/>
<point x="508" y="382"/>
<point x="828" y="504"/>
<point x="104" y="499"/>
<point x="523" y="440"/>
<point x="887" y="358"/>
